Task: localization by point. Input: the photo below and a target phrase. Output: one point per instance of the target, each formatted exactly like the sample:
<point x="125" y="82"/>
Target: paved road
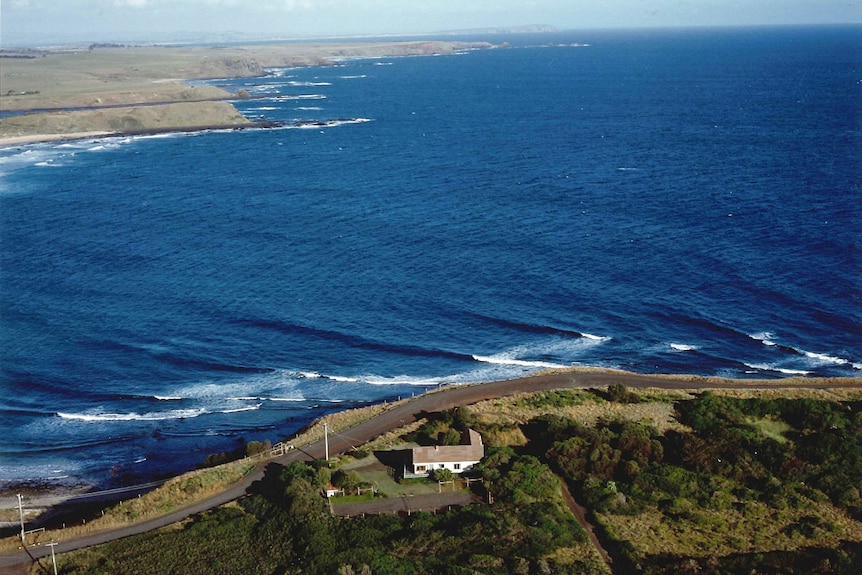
<point x="403" y="414"/>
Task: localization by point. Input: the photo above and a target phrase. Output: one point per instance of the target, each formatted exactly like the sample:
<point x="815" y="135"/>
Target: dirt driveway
<point x="406" y="504"/>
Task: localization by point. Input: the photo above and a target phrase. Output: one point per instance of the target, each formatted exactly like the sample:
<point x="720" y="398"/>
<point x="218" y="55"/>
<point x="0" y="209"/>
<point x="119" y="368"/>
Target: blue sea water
<point x="674" y="201"/>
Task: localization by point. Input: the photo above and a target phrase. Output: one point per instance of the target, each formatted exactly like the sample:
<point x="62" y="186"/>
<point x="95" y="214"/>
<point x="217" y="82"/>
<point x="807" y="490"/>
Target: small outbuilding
<point x="332" y="491"/>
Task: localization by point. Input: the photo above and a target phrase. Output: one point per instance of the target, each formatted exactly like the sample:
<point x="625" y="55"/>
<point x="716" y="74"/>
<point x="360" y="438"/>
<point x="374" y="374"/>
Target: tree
<point x="450" y="437"/>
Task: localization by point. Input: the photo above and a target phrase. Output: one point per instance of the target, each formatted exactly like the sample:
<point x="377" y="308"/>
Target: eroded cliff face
<point x="229" y="67"/>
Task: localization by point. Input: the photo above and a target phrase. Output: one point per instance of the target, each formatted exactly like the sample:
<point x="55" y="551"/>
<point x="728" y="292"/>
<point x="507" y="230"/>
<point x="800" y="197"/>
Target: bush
<point x="444" y="475"/>
<point x="619" y="393"/>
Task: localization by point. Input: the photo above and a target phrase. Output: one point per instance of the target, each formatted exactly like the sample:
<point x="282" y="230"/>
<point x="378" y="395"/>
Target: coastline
<point x="10" y="141"/>
<point x="376" y="425"/>
<point x="66" y="96"/>
<point x="573" y="378"/>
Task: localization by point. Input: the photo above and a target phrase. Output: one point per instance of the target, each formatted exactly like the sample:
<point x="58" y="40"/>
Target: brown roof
<point x="474" y="451"/>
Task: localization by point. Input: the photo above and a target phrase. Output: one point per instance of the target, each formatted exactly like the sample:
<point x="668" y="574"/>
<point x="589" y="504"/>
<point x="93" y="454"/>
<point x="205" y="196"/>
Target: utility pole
<point x="52" y="544"/>
<point x="21" y="513"/>
<point x="325" y="442"/>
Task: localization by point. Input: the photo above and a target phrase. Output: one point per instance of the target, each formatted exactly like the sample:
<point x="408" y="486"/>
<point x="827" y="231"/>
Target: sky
<point x="51" y="22"/>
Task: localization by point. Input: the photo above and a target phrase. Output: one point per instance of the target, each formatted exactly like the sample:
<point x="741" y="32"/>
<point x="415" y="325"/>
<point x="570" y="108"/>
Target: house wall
<point x="457" y="467"/>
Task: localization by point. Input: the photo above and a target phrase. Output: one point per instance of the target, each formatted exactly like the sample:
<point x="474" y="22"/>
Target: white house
<point x="456" y="458"/>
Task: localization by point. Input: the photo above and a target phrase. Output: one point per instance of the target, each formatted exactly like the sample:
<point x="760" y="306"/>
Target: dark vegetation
<point x="794" y="463"/>
<point x="247" y="450"/>
<point x="725" y="463"/>
<point x="285" y="527"/>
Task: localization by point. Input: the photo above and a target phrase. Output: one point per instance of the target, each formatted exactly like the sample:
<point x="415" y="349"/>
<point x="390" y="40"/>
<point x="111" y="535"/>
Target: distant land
<point x="108" y="89"/>
<point x="526" y="29"/>
<point x="191" y="38"/>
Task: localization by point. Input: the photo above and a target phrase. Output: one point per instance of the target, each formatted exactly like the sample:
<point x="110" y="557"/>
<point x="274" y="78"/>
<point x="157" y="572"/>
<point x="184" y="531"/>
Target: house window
<point x="440" y="466"/>
<point x="457" y="466"/>
<point x="420" y="468"/>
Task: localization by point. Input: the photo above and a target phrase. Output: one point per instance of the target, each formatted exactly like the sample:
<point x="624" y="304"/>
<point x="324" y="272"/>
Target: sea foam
<point x="153" y="416"/>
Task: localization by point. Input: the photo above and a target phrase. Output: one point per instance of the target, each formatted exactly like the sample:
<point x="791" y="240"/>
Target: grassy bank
<point x="180" y="116"/>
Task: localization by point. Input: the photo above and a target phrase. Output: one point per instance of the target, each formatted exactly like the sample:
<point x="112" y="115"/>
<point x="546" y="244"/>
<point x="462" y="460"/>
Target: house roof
<point x="472" y="451"/>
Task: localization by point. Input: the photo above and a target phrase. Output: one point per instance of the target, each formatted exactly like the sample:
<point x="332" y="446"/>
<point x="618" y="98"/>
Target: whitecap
<point x="770" y="367"/>
<point x="301" y="97"/>
<point x="505" y="360"/>
<point x="595" y="337"/>
<point x="683" y="347"/>
<point x="823" y="358"/>
<point x="241" y="409"/>
<point x="341" y="378"/>
<point x="764" y="337"/>
<point x="152" y="416"/>
<point x="402" y="380"/>
<point x="315" y="124"/>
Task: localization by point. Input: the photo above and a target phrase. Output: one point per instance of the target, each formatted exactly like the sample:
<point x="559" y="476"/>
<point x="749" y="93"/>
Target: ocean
<point x="659" y="201"/>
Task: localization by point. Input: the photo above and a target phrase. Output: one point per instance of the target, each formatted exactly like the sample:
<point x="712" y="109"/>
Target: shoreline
<point x="576" y="377"/>
<point x="12" y="141"/>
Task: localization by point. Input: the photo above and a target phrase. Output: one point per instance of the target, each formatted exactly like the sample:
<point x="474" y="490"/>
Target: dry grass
<point x="515" y="410"/>
<point x="656" y="407"/>
<point x="757" y="529"/>
<point x="833" y="394"/>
